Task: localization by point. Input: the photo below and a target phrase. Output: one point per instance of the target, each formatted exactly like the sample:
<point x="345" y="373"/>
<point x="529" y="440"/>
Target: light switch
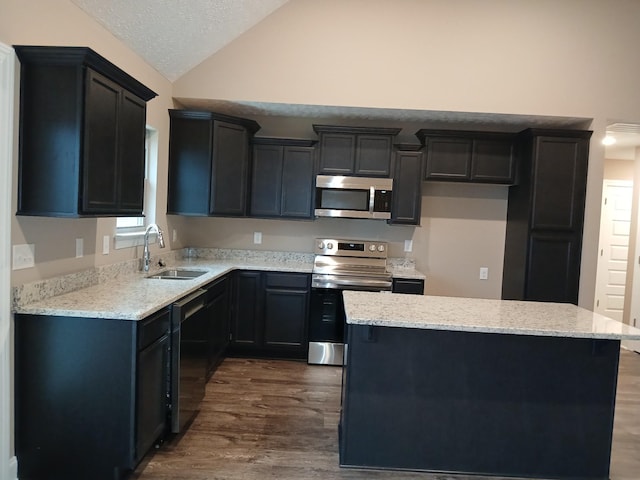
<point x="484" y="273"/>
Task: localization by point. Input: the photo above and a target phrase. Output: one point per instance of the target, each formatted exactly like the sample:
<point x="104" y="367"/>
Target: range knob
<point x="381" y="248"/>
<point x="330" y="246"/>
<point x="320" y="245"/>
<point x="372" y="247"/>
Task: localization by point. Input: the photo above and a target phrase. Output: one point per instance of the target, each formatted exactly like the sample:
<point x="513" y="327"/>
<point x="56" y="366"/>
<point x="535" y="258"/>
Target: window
<point x="130" y="230"/>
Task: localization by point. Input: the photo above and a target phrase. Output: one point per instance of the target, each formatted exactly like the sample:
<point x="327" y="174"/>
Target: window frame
<point x="127" y="236"/>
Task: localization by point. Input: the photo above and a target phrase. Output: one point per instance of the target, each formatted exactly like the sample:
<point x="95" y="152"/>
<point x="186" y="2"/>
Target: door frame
<point x="8" y="464"/>
<point x="601" y="271"/>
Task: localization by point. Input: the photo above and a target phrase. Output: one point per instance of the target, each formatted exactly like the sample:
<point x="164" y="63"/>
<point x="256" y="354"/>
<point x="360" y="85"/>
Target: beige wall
<point x="537" y="58"/>
<point x="462" y="229"/>
<point x="618" y="169"/>
<point x="60" y="22"/>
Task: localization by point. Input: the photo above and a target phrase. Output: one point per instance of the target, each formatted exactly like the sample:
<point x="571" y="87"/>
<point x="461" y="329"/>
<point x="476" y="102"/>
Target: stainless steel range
<point x="341" y="265"/>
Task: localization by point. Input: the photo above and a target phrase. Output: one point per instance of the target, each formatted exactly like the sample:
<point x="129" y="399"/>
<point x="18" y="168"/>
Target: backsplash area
<point x="43" y="289"/>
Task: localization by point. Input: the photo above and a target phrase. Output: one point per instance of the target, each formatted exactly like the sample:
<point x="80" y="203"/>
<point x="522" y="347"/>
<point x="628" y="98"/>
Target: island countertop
<point x="482" y="315"/>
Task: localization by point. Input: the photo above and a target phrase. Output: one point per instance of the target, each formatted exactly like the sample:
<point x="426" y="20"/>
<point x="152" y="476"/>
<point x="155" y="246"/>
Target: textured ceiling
<point x="176" y="35"/>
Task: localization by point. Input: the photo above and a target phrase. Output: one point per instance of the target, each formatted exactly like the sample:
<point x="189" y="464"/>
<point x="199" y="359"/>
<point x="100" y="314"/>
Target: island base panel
<point x="469" y="402"/>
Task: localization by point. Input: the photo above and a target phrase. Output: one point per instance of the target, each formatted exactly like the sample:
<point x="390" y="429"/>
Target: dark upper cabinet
<point x="545" y="217"/>
<point x="407" y="188"/>
<point x="358" y="151"/>
<point x="208" y="163"/>
<point x="82" y="135"/>
<point x="282" y="178"/>
<point x="462" y="156"/>
<point x="230" y="169"/>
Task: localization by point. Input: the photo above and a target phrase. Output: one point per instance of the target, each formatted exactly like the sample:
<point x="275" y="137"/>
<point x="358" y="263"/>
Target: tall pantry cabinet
<point x="545" y="217"/>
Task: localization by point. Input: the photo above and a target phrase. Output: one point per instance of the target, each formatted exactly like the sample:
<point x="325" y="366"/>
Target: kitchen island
<point x="493" y="387"/>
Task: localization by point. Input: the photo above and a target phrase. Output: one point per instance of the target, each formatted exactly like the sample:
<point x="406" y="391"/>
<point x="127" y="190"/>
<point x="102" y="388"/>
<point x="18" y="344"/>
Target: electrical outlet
<point x="79" y="247"/>
<point x="257" y="237"/>
<point x="408" y="245"/>
<point x="484" y="273"/>
<point x="105" y="245"/>
<point x="23" y="256"/>
<point x="174" y="235"/>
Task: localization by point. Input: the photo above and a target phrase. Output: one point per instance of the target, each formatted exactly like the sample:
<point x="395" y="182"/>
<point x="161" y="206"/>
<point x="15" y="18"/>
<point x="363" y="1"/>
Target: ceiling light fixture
<point x="608" y="140"/>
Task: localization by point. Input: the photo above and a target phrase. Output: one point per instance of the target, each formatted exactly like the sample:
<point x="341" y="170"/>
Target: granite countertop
<point x="482" y="315"/>
<point x="134" y="297"/>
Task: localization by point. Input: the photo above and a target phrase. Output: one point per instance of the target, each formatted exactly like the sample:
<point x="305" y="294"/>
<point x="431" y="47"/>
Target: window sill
<point x="132" y="239"/>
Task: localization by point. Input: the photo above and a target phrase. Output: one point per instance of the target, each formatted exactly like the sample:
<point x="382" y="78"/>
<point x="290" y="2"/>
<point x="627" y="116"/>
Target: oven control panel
<point x="351" y="248"/>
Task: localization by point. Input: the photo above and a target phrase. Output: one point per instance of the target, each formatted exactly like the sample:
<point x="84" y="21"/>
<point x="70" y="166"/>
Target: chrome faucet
<point x="146" y="256"/>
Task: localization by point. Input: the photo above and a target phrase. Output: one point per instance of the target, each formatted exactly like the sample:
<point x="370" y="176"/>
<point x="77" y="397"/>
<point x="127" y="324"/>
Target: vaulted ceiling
<point x="176" y="35"/>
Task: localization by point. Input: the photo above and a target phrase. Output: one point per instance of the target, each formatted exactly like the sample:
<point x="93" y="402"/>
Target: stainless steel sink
<point x="177" y="274"/>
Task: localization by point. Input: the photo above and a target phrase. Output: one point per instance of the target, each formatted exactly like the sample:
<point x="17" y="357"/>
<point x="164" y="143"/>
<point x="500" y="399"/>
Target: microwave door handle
<point x="372" y="198"/>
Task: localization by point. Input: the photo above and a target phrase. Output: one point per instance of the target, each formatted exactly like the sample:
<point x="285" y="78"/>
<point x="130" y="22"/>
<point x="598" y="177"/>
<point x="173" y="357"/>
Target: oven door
<point x="326" y="327"/>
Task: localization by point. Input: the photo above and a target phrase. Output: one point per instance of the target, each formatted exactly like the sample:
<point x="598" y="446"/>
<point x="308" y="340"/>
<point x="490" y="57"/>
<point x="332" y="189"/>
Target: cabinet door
<point x="229" y="172"/>
<point x="189" y="180"/>
<point x="373" y="156"/>
<point x="559" y="180"/>
<point x="285" y="318"/>
<point x="99" y="166"/>
<point x="337" y="153"/>
<point x="297" y="182"/>
<point x="131" y="154"/>
<point x="554" y="268"/>
<point x="246" y="327"/>
<point x="407" y="189"/>
<point x="493" y="161"/>
<point x="405" y="285"/>
<point x="218" y="315"/>
<point x="448" y="158"/>
<point x="266" y="180"/>
<point x="152" y="391"/>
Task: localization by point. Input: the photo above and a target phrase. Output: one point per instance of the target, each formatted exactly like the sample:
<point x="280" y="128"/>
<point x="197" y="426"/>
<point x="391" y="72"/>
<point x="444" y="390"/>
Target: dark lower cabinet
<point x="91" y="394"/>
<point x="408" y="285"/>
<point x="218" y="314"/>
<point x="270" y="314"/>
<point x="152" y="384"/>
<point x="545" y="217"/>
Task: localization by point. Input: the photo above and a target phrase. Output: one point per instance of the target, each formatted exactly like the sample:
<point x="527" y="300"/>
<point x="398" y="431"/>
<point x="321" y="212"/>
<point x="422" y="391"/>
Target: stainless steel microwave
<point x="353" y="197"/>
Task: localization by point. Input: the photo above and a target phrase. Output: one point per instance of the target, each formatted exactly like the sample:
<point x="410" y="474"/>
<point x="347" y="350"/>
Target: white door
<point x="7" y="62"/>
<point x="614" y="248"/>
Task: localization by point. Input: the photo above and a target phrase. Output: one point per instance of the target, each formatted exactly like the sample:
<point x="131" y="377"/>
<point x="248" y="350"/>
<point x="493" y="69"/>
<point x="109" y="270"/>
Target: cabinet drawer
<point x="153" y="327"/>
<point x="216" y="288"/>
<point x="287" y="280"/>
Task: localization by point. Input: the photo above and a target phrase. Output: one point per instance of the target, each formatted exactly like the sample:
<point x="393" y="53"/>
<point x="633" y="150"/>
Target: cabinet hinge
<point x="597" y="303"/>
<point x="605" y="200"/>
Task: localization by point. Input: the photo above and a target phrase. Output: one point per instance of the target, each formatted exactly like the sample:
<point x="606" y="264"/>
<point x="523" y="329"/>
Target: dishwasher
<point x="188" y="358"/>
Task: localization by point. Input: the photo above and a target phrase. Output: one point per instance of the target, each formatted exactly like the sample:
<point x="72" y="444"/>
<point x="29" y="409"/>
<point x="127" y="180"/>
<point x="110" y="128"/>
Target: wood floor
<point x="271" y="419"/>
